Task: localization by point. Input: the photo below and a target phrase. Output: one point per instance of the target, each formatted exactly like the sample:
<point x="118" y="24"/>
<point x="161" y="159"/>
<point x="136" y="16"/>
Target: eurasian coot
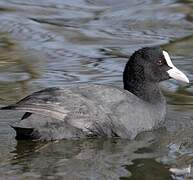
<point x="99" y="110"/>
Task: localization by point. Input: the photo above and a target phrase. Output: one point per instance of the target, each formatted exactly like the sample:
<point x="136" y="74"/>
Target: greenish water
<point x="60" y="43"/>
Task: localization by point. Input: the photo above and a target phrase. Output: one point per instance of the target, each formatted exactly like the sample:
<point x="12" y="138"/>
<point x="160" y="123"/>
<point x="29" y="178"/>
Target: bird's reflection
<point x="103" y="158"/>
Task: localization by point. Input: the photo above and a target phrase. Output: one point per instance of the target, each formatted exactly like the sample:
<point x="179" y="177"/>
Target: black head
<point x="146" y="68"/>
<point x="147" y="64"/>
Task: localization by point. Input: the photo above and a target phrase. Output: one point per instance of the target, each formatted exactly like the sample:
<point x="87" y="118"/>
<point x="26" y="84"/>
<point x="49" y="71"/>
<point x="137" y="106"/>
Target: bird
<point x="94" y="110"/>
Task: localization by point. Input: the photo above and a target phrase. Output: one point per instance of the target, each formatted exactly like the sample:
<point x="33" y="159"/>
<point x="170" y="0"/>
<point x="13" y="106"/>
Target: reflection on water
<point x="102" y="159"/>
<point x="60" y="43"/>
<point x="148" y="169"/>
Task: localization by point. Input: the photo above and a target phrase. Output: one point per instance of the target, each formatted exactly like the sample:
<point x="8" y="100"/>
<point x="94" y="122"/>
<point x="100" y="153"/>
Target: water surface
<point x="59" y="43"/>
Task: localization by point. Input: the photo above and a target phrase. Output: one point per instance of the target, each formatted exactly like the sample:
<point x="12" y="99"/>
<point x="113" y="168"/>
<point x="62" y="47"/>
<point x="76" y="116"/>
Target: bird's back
<point x="86" y="110"/>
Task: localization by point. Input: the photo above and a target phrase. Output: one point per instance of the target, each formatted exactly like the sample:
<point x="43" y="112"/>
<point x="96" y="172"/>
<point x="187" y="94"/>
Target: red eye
<point x="160" y="62"/>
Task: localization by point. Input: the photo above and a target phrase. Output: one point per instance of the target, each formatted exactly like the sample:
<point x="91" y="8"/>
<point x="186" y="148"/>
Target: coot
<point x="93" y="110"/>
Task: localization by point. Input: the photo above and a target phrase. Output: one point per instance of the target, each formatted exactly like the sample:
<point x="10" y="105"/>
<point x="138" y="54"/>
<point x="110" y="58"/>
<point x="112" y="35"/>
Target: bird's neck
<point x="146" y="91"/>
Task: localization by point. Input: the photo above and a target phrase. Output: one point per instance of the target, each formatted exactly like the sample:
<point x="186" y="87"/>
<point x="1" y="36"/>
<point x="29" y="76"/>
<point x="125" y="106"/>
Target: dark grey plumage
<point x="99" y="110"/>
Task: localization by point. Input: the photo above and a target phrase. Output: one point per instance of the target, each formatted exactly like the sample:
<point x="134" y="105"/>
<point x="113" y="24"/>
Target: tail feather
<point x="57" y="113"/>
<point x="26" y="115"/>
<point x="11" y="107"/>
<point x="25" y="133"/>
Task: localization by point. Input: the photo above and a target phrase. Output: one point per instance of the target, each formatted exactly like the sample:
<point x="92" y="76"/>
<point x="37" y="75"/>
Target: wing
<point x="44" y="102"/>
<point x="78" y="101"/>
<point x="93" y="109"/>
<point x="65" y="104"/>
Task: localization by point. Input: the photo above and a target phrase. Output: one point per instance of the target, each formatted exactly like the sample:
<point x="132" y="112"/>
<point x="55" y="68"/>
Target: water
<point x="60" y="43"/>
